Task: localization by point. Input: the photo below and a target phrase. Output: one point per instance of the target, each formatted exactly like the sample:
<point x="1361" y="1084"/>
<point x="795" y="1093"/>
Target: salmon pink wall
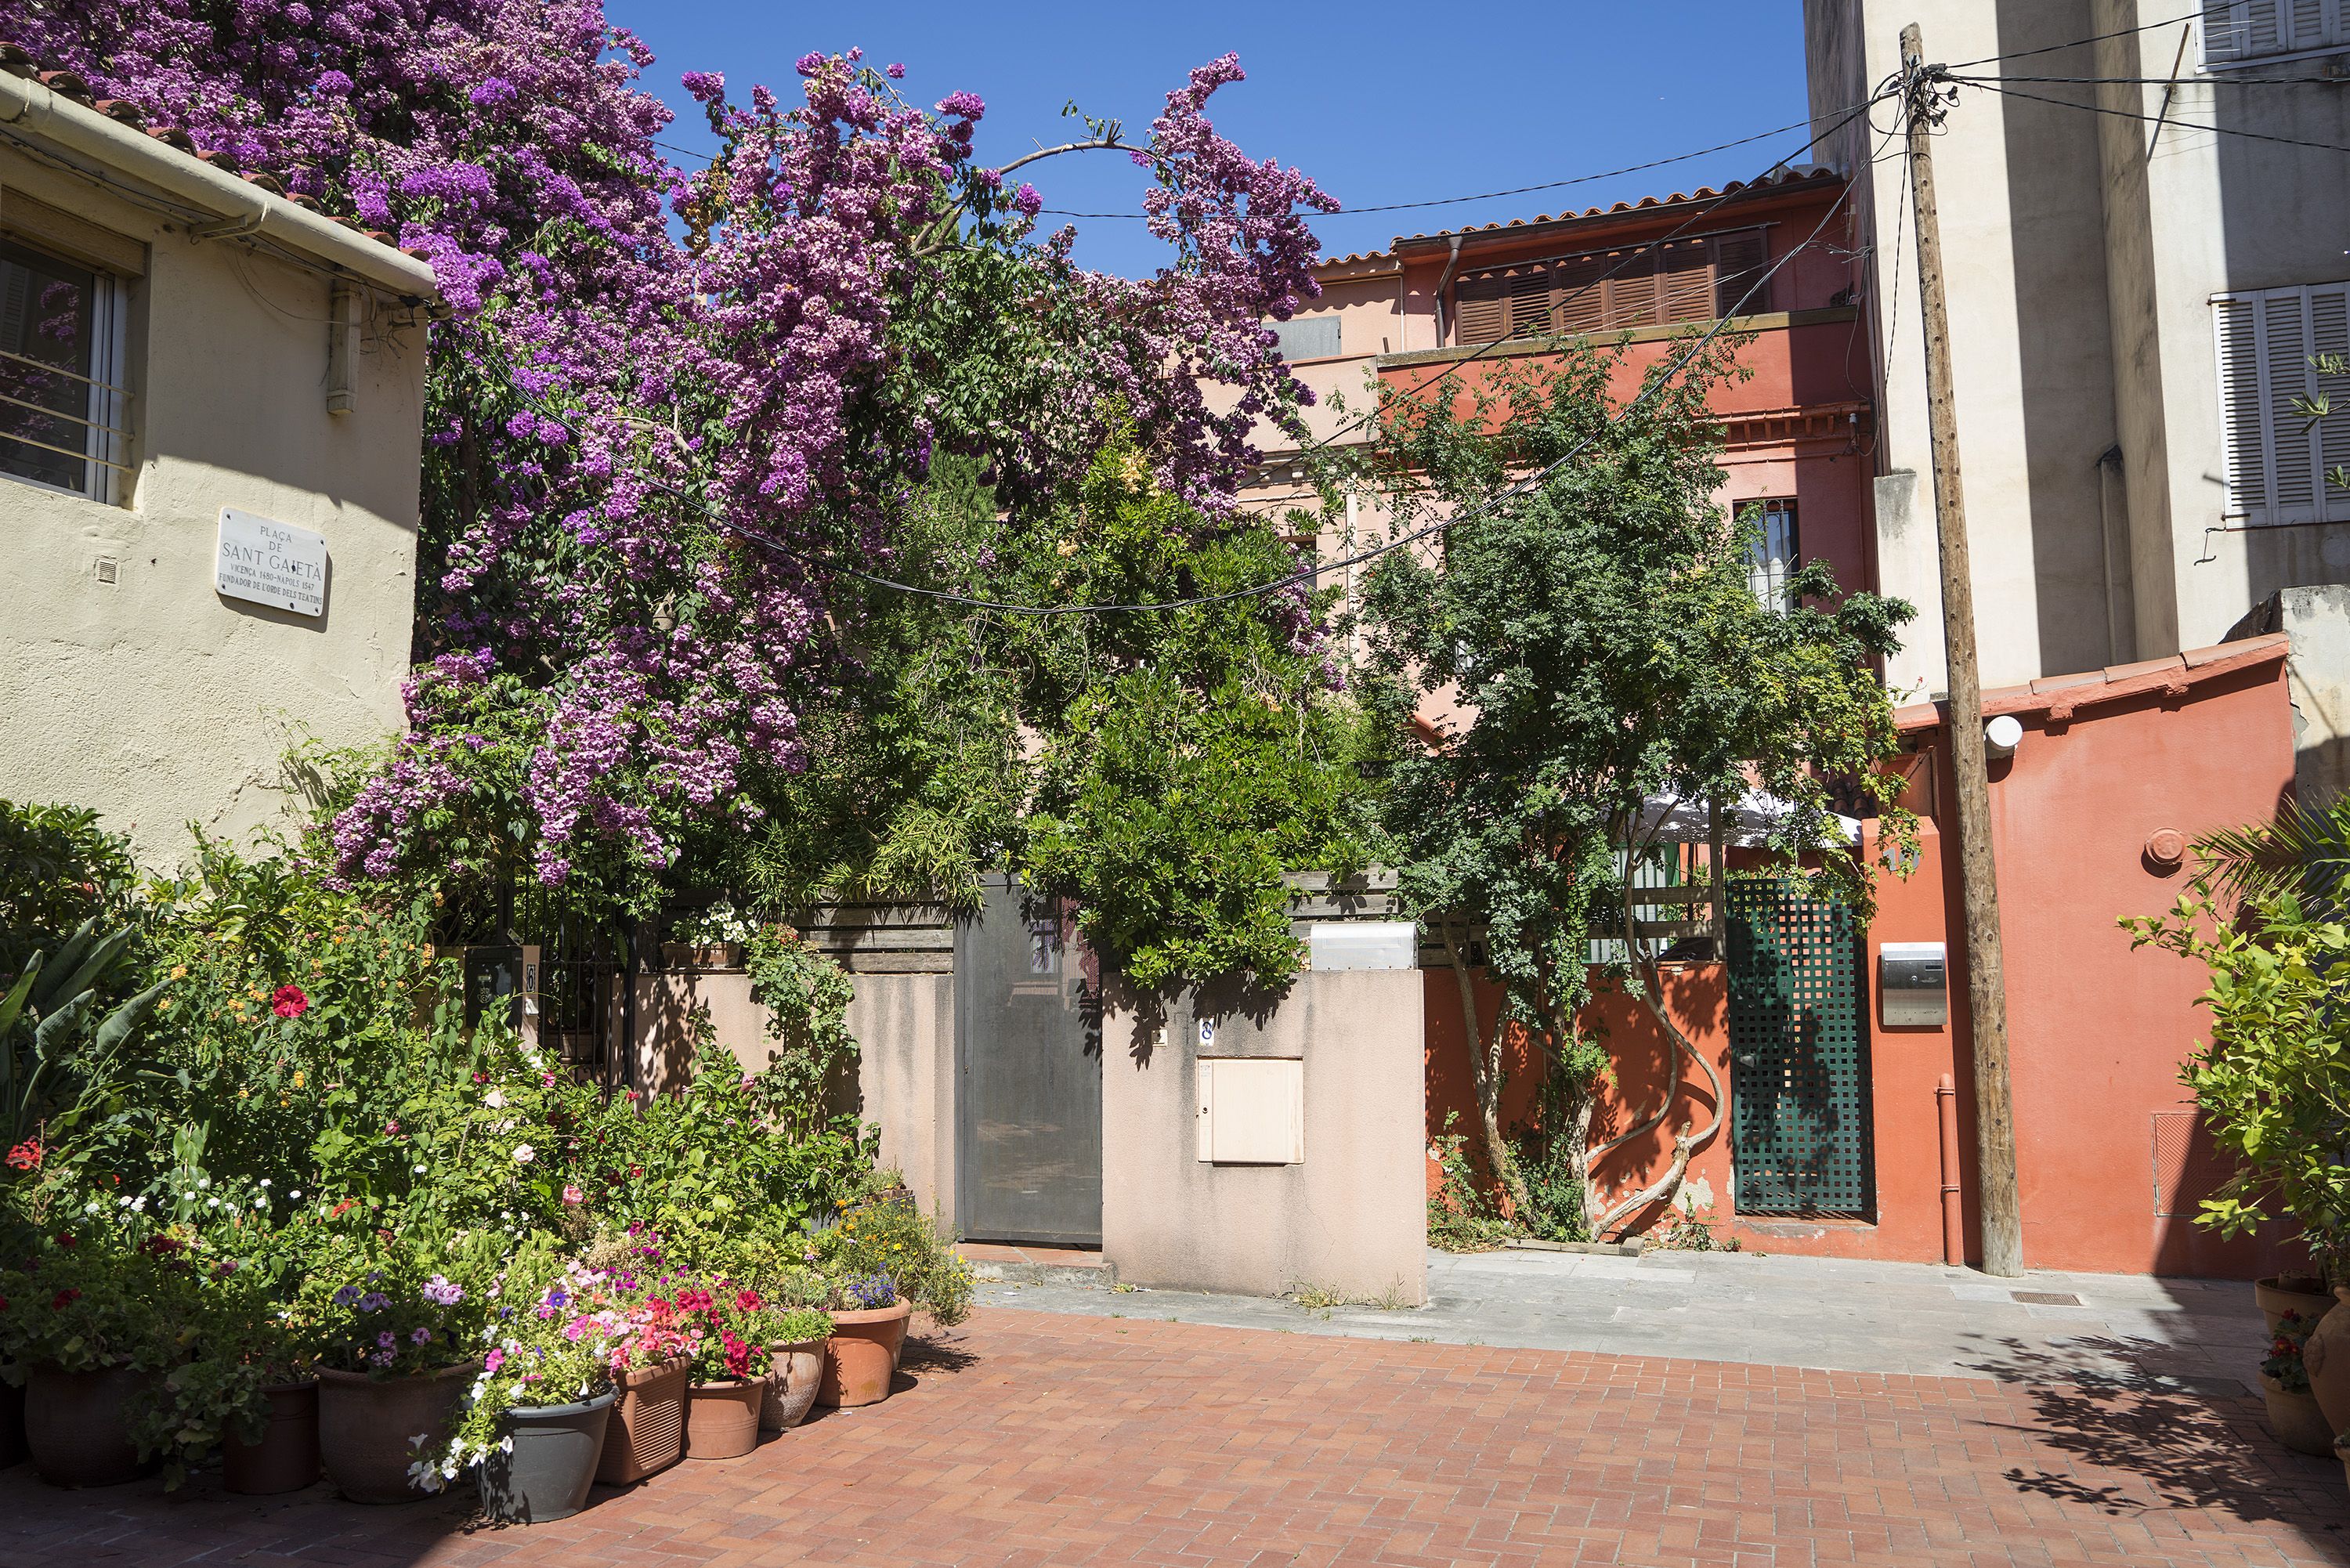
<point x="2097" y="1031"/>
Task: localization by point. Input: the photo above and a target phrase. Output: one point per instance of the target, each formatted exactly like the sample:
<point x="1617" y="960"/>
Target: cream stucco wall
<point x="154" y="698"/>
<point x="1351" y="1217"/>
<point x="905" y="1074"/>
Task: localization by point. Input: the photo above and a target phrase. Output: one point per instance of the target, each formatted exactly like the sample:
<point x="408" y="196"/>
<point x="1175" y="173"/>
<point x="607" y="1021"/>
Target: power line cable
<point x="2077" y="43"/>
<point x="1990" y="84"/>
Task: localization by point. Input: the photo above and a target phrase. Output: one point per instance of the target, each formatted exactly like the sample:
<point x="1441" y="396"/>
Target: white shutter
<point x="2277" y="457"/>
<point x="2235" y="31"/>
<point x="2239" y="409"/>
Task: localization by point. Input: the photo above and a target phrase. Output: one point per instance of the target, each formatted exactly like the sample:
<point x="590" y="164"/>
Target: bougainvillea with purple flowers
<point x="666" y="401"/>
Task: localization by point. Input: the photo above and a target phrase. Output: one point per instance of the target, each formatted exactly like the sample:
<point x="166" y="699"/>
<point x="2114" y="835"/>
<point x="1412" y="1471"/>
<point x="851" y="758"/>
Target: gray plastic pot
<point x="548" y="1472"/>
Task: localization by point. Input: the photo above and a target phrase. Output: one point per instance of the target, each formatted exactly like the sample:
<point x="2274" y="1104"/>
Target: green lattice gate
<point x="1799" y="1055"/>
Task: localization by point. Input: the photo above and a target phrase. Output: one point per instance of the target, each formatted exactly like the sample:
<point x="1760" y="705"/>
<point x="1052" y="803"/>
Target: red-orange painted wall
<point x="2096" y="1030"/>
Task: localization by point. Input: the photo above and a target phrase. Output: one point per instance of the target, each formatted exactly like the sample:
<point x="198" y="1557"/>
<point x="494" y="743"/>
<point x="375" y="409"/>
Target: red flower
<point x="738" y="1357"/>
<point x="26" y="1156"/>
<point x="748" y="1301"/>
<point x="65" y="1241"/>
<point x="345" y="1207"/>
<point x="63" y="1299"/>
<point x="289" y="1002"/>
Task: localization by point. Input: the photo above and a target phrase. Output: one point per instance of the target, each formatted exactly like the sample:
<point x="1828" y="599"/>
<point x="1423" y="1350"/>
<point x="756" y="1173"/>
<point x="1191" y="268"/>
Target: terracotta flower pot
<point x="862" y="1355"/>
<point x="792" y="1373"/>
<point x="12" y="1425"/>
<point x="2275" y="1301"/>
<point x="722" y="1419"/>
<point x="647" y="1428"/>
<point x="2295" y="1420"/>
<point x="287" y="1456"/>
<point x="2325" y="1355"/>
<point x="366" y="1426"/>
<point x="546" y="1472"/>
<point x="76" y="1429"/>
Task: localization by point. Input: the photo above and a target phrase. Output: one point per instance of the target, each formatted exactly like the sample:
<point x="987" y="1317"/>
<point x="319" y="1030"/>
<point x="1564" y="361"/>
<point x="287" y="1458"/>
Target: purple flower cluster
<point x="606" y="385"/>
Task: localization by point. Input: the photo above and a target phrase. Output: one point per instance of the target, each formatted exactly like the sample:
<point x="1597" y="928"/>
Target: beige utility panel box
<point x="1252" y="1110"/>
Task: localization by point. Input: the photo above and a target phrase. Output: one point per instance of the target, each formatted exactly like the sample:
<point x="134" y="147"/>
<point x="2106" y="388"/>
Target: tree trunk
<point x="1667" y="1187"/>
<point x="1485" y="1074"/>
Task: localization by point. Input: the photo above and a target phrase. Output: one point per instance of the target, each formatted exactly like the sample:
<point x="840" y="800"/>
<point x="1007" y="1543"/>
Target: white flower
<point x="211" y="1202"/>
<point x="265" y="1181"/>
<point x="295" y="1195"/>
<point x="122" y="1202"/>
<point x="496" y="1099"/>
<point x="203" y="1182"/>
<point x="139" y="1204"/>
<point x="260" y="1200"/>
<point x="418" y="1171"/>
<point x="524" y="1154"/>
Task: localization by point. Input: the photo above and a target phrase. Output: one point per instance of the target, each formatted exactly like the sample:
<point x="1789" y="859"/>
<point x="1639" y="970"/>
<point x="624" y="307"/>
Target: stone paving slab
<point x="1034" y="1439"/>
<point x="1775" y="1309"/>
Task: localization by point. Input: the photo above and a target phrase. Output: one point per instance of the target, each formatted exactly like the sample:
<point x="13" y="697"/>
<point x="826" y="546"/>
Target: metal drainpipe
<point x="1450" y="263"/>
<point x="1954" y="1230"/>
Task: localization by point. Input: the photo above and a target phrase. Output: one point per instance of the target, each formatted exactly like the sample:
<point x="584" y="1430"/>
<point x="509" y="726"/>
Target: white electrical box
<point x="1364" y="944"/>
<point x="1252" y="1110"/>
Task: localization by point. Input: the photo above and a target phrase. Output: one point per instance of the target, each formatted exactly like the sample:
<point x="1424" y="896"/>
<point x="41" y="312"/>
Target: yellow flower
<point x="298" y="1080"/>
<point x="245" y="1094"/>
<point x="178" y="971"/>
<point x="283" y="1101"/>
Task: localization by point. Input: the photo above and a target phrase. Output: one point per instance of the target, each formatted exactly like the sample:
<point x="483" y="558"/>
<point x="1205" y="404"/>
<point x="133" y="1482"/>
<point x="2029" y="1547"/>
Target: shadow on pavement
<point x="2193" y="1443"/>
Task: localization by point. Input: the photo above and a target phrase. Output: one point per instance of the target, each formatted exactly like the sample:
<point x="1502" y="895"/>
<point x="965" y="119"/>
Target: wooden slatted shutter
<point x="2277" y="457"/>
<point x="1581" y="295"/>
<point x="1740" y="261"/>
<point x="1632" y="291"/>
<point x="1480" y="311"/>
<point x="1688" y="269"/>
<point x="1530" y="303"/>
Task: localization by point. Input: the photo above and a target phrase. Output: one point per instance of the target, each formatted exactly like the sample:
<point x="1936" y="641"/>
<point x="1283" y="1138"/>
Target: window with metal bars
<point x="62" y="412"/>
<point x="1694" y="279"/>
<point x="1774" y="552"/>
<point x="2280" y="352"/>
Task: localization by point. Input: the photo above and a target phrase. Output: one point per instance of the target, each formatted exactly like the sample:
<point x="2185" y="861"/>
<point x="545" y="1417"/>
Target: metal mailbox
<point x="1913" y="985"/>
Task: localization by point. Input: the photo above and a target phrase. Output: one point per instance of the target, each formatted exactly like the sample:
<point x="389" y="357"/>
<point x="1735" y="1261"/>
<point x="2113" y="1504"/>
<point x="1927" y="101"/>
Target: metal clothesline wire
<point x="1655" y="384"/>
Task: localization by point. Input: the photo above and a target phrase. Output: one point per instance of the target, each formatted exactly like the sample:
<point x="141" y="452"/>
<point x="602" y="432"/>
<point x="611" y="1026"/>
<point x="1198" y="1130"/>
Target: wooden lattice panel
<point x="1799" y="1055"/>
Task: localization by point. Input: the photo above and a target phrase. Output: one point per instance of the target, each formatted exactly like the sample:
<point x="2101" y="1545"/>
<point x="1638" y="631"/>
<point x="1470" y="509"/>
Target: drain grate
<point x="2046" y="1298"/>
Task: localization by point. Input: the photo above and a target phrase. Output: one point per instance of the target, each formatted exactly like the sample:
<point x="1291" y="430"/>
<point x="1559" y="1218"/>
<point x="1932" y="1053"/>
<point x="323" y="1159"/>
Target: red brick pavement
<point x="1032" y="1439"/>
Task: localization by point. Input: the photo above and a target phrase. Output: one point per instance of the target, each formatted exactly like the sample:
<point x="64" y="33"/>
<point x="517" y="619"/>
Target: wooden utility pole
<point x="2003" y="1218"/>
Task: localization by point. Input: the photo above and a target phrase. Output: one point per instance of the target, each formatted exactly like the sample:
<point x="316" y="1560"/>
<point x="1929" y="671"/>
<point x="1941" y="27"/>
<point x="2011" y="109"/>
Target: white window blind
<point x="2239" y="30"/>
<point x="2277" y="456"/>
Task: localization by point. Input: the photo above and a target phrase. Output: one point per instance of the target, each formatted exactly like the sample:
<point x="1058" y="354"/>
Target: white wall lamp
<point x="2003" y="735"/>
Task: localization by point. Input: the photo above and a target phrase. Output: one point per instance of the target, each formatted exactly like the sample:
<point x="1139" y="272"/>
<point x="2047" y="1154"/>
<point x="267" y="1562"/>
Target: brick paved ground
<point x="1040" y="1440"/>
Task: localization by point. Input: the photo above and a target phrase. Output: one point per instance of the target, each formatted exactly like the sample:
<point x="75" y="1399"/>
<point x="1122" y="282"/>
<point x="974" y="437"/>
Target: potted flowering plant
<point x="250" y="1389"/>
<point x="651" y="1362"/>
<point x="396" y="1336"/>
<point x="868" y="1332"/>
<point x="2293" y="1414"/>
<point x="734" y="1326"/>
<point x="86" y="1324"/>
<point x="534" y="1420"/>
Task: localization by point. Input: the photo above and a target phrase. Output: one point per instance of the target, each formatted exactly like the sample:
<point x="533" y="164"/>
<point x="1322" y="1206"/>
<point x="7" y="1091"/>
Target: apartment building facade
<point x="2142" y="230"/>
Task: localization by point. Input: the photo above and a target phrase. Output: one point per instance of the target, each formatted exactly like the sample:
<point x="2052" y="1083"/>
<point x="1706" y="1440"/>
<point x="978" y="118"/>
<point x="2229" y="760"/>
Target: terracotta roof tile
<point x="2059" y="696"/>
<point x="1824" y="176"/>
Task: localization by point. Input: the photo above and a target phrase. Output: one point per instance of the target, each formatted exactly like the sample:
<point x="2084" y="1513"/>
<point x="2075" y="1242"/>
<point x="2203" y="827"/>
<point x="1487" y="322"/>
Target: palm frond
<point x="2305" y="852"/>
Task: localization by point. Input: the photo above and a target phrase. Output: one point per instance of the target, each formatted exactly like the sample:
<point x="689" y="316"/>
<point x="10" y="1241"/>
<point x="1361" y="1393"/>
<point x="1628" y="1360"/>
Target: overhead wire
<point x="1991" y="84"/>
<point x="2195" y="16"/>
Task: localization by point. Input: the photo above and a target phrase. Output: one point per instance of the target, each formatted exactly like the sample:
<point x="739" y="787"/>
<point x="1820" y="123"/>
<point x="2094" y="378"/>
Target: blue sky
<point x="1378" y="102"/>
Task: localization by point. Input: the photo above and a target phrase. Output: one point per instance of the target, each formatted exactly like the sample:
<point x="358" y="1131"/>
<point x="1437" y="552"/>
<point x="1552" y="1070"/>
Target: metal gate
<point x="1799" y="1055"/>
<point x="1028" y="1054"/>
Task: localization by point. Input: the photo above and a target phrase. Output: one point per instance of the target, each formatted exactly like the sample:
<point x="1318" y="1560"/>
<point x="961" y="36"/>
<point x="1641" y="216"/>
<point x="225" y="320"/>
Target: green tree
<point x="1613" y="672"/>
